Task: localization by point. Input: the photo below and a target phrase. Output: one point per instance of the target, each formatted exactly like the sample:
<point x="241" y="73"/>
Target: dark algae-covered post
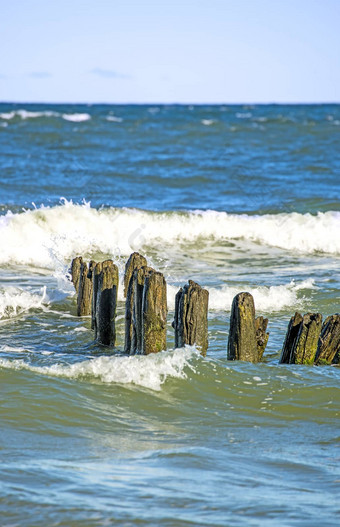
<point x="134" y="302"/>
<point x="302" y="338"/>
<point x="136" y="261"/>
<point x="105" y="304"/>
<point x="147" y="299"/>
<point x="191" y="316"/>
<point x="308" y="337"/>
<point x="287" y="356"/>
<point x="261" y="335"/>
<point x="75" y="271"/>
<point x="84" y="300"/>
<point x="328" y="351"/>
<point x="242" y="342"/>
<point x="154" y="313"/>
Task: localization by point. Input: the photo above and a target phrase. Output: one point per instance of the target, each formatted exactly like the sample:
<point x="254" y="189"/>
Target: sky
<point x="161" y="51"/>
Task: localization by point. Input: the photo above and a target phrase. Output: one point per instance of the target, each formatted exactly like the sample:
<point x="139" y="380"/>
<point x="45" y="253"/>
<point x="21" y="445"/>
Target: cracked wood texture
<point x="287" y="356"/>
<point x="242" y="342"/>
<point x="75" y="271"/>
<point x="302" y="338"/>
<point x="261" y="335"/>
<point x="84" y="300"/>
<point x="134" y="302"/>
<point x="329" y="342"/>
<point x="191" y="317"/>
<point x="135" y="261"/>
<point x="154" y="313"/>
<point x="105" y="304"/>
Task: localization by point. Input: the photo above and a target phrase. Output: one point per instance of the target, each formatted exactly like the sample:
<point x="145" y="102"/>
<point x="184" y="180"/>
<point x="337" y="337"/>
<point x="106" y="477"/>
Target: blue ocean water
<point x="238" y="198"/>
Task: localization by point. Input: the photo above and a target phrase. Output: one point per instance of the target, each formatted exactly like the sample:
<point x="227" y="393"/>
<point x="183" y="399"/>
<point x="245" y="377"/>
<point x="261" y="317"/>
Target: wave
<point x="25" y="114"/>
<point x="114" y="119"/>
<point x="15" y="301"/>
<point x="76" y="117"/>
<point x="45" y="235"/>
<point x="148" y="371"/>
<point x="267" y="299"/>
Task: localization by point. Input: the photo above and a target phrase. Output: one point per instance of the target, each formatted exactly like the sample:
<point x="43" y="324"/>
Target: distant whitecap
<point x="76" y="117"/>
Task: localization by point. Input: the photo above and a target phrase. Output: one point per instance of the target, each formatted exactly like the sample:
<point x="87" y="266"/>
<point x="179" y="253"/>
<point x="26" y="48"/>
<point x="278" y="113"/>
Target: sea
<point x="235" y="197"/>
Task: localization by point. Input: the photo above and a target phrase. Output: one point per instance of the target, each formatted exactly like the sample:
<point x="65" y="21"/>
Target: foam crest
<point x="148" y="371"/>
<point x="267" y="299"/>
<point x="39" y="237"/>
<point x="76" y="117"/>
<point x="15" y="301"/>
<point x="25" y="114"/>
<point x="114" y="119"/>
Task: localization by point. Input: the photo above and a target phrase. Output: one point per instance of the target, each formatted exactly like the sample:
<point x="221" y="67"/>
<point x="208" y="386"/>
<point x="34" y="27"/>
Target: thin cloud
<point x="39" y="74"/>
<point x="2" y="76"/>
<point x="109" y="74"/>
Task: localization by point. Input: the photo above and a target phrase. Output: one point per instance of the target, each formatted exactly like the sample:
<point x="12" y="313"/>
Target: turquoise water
<point x="238" y="198"/>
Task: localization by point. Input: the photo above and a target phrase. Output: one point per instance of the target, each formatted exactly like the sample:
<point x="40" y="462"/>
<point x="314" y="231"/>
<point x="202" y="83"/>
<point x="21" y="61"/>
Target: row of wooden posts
<point x="307" y="341"/>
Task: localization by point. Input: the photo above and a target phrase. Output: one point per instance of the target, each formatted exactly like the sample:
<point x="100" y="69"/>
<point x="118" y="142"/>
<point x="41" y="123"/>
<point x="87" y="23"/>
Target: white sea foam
<point x="76" y="117"/>
<point x="267" y="299"/>
<point x="15" y="301"/>
<point x="207" y="122"/>
<point x="26" y="114"/>
<point x="243" y="115"/>
<point x="114" y="119"/>
<point x="150" y="371"/>
<point x="43" y="236"/>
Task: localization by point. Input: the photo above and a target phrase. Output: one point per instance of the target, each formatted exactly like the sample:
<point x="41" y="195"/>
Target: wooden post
<point x="84" y="300"/>
<point x="308" y="337"/>
<point x="294" y="325"/>
<point x="302" y="338"/>
<point x="95" y="284"/>
<point x="191" y="317"/>
<point x="147" y="296"/>
<point x="329" y="341"/>
<point x="154" y="313"/>
<point x="105" y="304"/>
<point x="75" y="271"/>
<point x="261" y="335"/>
<point x="242" y="342"/>
<point x="136" y="261"/>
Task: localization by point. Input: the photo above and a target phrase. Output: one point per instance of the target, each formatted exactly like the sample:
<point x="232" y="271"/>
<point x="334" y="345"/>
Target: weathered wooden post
<point x="84" y="300"/>
<point x="261" y="335"/>
<point x="149" y="311"/>
<point x="191" y="317"/>
<point x="302" y="338"/>
<point x="106" y="286"/>
<point x="75" y="271"/>
<point x="136" y="261"/>
<point x="154" y="313"/>
<point x="242" y="342"/>
<point x="329" y="341"/>
<point x="291" y="336"/>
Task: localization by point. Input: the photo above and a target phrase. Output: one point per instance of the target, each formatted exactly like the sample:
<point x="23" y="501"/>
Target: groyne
<point x="308" y="340"/>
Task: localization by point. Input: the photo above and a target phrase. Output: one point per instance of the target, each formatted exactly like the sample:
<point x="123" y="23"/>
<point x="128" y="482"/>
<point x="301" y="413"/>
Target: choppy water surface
<point x="238" y="198"/>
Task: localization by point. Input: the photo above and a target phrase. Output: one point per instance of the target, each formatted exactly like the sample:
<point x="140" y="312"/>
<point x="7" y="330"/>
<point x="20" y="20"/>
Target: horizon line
<point x="241" y="103"/>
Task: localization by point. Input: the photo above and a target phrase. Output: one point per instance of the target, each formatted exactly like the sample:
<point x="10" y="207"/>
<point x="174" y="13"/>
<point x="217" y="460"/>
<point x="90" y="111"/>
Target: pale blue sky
<point x="190" y="51"/>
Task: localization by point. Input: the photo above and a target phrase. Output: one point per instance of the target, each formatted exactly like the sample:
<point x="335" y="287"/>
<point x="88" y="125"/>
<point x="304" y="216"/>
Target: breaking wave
<point x="267" y="299"/>
<point x="15" y="301"/>
<point x="37" y="237"/>
<point x="26" y="114"/>
<point x="148" y="371"/>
